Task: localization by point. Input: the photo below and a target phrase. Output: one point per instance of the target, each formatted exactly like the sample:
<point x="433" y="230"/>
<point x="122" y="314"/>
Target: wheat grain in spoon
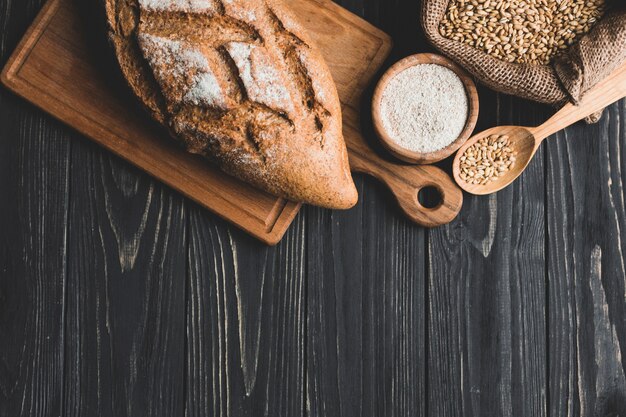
<point x="524" y="141"/>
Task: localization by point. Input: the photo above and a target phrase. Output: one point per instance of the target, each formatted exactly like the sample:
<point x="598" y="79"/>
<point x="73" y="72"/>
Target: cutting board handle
<point x="405" y="182"/>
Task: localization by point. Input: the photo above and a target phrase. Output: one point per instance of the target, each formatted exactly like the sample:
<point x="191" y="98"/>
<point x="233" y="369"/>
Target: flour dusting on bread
<point x="183" y="72"/>
<point x="197" y="6"/>
<point x="260" y="77"/>
<point x="245" y="10"/>
<point x="318" y="79"/>
<point x="171" y="55"/>
<point x="206" y="90"/>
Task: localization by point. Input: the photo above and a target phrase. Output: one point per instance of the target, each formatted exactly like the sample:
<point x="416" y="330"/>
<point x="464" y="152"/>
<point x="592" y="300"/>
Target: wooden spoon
<point x="526" y="140"/>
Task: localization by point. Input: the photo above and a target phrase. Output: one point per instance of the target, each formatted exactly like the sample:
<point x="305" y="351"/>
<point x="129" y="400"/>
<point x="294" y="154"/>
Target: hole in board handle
<point x="430" y="197"/>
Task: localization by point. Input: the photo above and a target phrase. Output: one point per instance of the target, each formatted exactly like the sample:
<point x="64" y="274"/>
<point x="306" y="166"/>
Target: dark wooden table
<point x="119" y="297"/>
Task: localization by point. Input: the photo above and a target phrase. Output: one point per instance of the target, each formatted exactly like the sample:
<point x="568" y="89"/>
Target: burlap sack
<point x="581" y="67"/>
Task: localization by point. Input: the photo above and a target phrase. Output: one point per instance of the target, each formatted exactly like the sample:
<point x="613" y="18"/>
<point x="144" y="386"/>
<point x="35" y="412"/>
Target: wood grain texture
<point x="365" y="267"/>
<point x="125" y="330"/>
<point x="245" y="322"/>
<point x="34" y="172"/>
<point x="365" y="352"/>
<point x="587" y="302"/>
<point x="516" y="309"/>
<point x="486" y="292"/>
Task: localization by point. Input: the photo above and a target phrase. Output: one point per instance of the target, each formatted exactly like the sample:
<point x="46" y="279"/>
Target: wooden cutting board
<point x="57" y="68"/>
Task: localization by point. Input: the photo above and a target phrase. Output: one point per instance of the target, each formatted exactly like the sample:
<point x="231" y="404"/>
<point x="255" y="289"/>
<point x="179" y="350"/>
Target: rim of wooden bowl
<point x="407" y="155"/>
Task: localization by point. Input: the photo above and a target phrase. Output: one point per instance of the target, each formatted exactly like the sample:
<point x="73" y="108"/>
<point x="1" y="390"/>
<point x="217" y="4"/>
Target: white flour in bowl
<point x="424" y="108"/>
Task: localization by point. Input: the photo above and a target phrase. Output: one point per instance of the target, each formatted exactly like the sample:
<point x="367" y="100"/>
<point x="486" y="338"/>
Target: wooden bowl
<point x="424" y="157"/>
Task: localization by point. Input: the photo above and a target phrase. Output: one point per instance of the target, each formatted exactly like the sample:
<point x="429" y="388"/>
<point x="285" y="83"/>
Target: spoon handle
<point x="607" y="92"/>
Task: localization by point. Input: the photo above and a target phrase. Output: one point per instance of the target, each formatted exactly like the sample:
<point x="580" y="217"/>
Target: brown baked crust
<point x="239" y="82"/>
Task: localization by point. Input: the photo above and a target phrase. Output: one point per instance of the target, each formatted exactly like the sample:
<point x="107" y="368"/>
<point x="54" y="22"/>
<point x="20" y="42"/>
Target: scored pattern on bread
<point x="183" y="72"/>
<point x="261" y="79"/>
<point x="238" y="82"/>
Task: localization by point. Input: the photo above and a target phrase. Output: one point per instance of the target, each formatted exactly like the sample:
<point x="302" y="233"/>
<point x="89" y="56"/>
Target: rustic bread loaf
<point x="238" y="82"/>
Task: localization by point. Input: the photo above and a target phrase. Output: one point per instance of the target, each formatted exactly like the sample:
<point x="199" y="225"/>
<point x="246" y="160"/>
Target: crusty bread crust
<point x="239" y="82"/>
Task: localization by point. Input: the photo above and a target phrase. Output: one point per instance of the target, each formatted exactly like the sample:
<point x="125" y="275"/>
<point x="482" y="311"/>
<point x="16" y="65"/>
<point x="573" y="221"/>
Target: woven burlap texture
<point x="583" y="65"/>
